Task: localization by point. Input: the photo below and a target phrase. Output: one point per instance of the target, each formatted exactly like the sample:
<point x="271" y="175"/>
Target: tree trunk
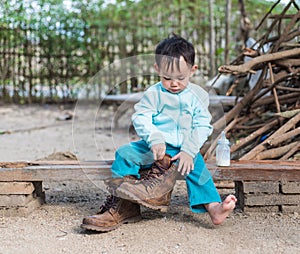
<point x="212" y="39"/>
<point x="227" y="31"/>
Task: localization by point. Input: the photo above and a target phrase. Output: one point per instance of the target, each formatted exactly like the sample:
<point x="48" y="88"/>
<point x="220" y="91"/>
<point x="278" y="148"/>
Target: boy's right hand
<point x="159" y="151"/>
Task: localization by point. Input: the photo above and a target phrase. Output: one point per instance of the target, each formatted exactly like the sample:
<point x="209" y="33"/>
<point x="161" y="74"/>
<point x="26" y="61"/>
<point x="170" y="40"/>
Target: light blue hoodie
<point x="181" y="120"/>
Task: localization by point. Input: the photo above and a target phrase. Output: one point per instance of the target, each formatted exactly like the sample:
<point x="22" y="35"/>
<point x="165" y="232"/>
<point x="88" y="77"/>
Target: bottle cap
<point x="223" y="140"/>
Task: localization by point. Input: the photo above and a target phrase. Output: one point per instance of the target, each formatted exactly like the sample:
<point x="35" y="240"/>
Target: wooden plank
<point x="56" y="172"/>
<point x="69" y="162"/>
<point x="127" y="97"/>
<point x="18" y="164"/>
<point x="132" y="98"/>
<point x="16" y="188"/>
<point x="259" y="170"/>
<point x="100" y="170"/>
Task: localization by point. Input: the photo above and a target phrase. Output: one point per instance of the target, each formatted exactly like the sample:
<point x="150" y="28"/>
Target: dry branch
<point x="270" y="99"/>
<point x="248" y="66"/>
<point x="286" y="31"/>
<point x="291" y="152"/>
<point x="253" y="135"/>
<point x="284" y="137"/>
<point x="263" y="130"/>
<point x="287" y="63"/>
<point x="241" y="104"/>
<point x="275" y="153"/>
<point x="290" y="124"/>
<point x="291" y="89"/>
<point x="274" y="89"/>
<point x="289" y="113"/>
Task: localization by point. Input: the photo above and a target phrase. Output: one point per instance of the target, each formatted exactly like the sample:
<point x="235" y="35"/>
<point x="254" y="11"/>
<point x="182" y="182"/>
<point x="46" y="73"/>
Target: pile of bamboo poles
<point x="265" y="123"/>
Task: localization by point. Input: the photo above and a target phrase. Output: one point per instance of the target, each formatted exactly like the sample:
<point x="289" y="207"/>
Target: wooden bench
<point x="259" y="185"/>
<point x="264" y="170"/>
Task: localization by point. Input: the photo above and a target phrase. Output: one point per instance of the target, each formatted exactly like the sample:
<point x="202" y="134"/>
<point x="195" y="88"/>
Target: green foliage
<point x="75" y="39"/>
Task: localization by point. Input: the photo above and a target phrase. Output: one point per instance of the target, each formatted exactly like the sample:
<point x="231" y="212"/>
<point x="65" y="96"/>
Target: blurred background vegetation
<point x="50" y="49"/>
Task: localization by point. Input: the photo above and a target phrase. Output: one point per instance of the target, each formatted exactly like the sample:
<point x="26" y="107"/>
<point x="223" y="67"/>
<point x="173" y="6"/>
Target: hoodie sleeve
<point x="145" y="109"/>
<point x="201" y="128"/>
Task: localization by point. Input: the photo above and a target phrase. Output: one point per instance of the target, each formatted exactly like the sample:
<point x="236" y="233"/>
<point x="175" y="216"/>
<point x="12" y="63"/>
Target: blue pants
<point x="134" y="156"/>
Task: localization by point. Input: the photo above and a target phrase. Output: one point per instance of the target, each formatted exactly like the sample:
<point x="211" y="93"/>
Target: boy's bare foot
<point x="218" y="212"/>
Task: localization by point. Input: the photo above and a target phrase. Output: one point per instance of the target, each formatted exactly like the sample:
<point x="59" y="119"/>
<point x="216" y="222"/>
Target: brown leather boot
<point x="113" y="183"/>
<point x="154" y="189"/>
<point x="113" y="213"/>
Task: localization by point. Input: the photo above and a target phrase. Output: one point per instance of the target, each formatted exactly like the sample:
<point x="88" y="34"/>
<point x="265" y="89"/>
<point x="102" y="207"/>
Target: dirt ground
<point x="33" y="132"/>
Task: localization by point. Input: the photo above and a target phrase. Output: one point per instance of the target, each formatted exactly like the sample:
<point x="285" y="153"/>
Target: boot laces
<point x="151" y="178"/>
<point x="110" y="202"/>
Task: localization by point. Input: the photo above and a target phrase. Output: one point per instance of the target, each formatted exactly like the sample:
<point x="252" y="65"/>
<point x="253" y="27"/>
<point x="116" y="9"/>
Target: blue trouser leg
<point x="200" y="186"/>
<point x="132" y="157"/>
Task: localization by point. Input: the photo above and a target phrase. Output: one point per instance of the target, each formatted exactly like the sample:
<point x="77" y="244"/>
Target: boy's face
<point x="173" y="79"/>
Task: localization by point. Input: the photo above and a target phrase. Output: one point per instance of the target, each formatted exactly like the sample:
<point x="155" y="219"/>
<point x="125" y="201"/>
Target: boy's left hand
<point x="186" y="162"/>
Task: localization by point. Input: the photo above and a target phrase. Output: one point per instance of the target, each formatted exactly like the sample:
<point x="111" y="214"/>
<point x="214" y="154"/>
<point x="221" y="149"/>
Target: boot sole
<point x="107" y="229"/>
<point x="131" y="197"/>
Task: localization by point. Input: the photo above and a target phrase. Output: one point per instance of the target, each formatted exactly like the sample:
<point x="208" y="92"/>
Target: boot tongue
<point x="165" y="163"/>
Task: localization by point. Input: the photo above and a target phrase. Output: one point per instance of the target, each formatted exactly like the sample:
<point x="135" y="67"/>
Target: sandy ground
<point x="34" y="132"/>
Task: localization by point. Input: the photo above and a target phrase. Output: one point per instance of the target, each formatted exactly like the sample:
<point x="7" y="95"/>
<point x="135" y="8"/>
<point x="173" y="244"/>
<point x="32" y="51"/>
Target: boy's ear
<point x="156" y="68"/>
<point x="194" y="68"/>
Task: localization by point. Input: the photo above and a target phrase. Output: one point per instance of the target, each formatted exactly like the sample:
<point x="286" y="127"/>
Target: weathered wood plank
<point x="132" y="98"/>
<point x="100" y="170"/>
<point x="19" y="164"/>
<point x="263" y="170"/>
<point x="69" y="162"/>
<point x="257" y="171"/>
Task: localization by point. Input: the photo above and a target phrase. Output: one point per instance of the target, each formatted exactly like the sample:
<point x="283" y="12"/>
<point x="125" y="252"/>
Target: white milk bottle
<point x="223" y="151"/>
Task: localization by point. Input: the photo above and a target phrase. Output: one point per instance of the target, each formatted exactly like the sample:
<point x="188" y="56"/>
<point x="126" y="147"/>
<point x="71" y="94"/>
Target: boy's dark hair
<point x="174" y="47"/>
